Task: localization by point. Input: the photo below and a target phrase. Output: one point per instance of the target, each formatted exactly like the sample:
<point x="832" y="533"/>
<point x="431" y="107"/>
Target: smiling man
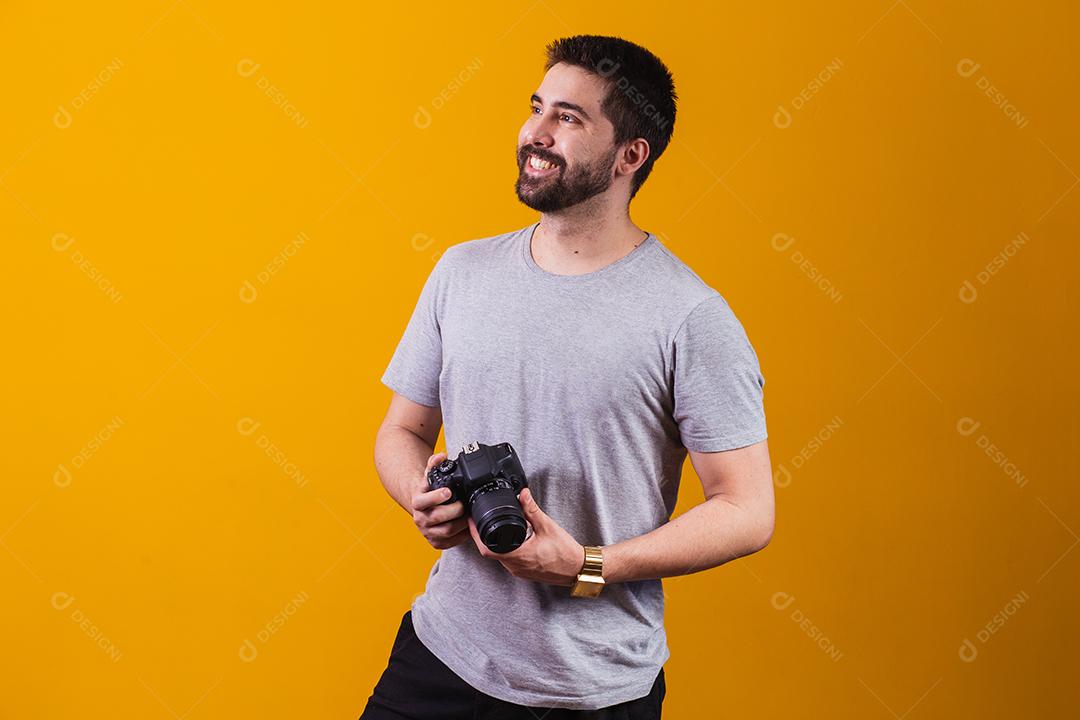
<point x="605" y="361"/>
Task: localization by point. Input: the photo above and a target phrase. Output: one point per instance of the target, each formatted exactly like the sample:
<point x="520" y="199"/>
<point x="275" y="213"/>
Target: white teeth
<point x="540" y="164"/>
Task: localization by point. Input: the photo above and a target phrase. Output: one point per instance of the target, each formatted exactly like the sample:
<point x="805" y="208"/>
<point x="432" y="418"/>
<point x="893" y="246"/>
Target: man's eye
<point x="570" y="118"/>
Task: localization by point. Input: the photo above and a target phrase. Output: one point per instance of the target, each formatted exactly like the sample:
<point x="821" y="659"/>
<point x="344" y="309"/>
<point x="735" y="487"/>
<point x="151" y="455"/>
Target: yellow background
<point x="179" y="569"/>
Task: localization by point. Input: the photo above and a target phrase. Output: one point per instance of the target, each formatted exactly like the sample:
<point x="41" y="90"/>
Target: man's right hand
<point x="444" y="526"/>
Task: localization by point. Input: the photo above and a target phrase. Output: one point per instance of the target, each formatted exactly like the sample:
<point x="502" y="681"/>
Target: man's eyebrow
<point x="564" y="105"/>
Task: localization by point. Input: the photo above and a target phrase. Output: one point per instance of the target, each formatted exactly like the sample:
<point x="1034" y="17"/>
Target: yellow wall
<point x="216" y="221"/>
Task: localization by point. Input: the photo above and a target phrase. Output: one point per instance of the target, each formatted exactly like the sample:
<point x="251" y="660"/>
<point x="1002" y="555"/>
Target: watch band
<point x="590" y="581"/>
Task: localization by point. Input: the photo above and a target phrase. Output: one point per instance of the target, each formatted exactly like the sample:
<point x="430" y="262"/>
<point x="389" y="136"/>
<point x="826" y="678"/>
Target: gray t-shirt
<point x="600" y="382"/>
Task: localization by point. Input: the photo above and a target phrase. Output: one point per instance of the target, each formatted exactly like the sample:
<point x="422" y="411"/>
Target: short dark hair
<point x="640" y="100"/>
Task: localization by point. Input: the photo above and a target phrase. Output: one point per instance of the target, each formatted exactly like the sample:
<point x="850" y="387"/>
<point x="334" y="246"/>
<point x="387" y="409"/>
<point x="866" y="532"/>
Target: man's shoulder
<point x="672" y="282"/>
<point x="481" y="247"/>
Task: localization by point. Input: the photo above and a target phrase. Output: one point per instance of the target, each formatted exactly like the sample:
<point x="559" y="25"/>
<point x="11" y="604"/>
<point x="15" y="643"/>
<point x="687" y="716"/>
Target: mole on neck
<point x="580" y="254"/>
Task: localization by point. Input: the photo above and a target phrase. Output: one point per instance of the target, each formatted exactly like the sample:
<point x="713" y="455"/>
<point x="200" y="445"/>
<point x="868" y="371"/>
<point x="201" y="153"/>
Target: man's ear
<point x="633" y="156"/>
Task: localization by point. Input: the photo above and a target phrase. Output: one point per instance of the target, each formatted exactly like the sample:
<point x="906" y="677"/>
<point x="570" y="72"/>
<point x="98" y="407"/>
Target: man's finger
<point x="445" y="513"/>
<point x="450" y="529"/>
<point x="422" y="484"/>
<point x="430" y="498"/>
<point x="457" y="539"/>
<point x="533" y="513"/>
<point x="476" y="538"/>
<point x="435" y="460"/>
<point x="432" y="461"/>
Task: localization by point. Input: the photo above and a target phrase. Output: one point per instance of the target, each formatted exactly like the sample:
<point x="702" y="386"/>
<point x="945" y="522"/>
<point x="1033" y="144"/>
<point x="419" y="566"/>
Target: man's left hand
<point x="550" y="555"/>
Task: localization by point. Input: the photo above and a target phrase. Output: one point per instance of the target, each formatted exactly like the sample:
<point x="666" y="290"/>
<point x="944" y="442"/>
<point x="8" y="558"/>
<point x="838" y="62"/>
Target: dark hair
<point x="640" y="100"/>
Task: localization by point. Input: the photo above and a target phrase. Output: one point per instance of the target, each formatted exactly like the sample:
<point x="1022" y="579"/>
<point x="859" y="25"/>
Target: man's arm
<point x="403" y="445"/>
<point x="736" y="519"/>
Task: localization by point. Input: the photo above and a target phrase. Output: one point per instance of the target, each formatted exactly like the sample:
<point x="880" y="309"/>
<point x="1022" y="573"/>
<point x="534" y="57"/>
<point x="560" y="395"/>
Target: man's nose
<point x="539" y="135"/>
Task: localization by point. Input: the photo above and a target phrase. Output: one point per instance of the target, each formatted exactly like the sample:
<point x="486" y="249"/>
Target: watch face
<point x="587" y="586"/>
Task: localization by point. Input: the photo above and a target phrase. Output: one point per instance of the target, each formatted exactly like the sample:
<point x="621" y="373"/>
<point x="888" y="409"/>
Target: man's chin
<point x="536" y="202"/>
<point x="526" y="179"/>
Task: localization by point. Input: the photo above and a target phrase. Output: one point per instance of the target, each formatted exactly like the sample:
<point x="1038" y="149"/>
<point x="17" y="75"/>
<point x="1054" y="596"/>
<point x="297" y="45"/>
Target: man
<point x="603" y="360"/>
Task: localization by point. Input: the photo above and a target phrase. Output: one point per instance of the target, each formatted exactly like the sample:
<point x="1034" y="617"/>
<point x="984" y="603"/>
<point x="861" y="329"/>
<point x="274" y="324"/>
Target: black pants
<point x="416" y="685"/>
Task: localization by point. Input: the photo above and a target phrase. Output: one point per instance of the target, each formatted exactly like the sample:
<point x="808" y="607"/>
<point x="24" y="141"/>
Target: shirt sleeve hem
<point x="731" y="442"/>
<point x="410" y="391"/>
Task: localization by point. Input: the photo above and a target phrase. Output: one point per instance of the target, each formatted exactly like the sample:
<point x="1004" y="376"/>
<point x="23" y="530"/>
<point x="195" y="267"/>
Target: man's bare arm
<point x="735" y="520"/>
<point x="403" y="456"/>
<point x="403" y="444"/>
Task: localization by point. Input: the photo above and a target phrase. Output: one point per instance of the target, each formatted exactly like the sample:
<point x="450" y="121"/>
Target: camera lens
<point x="499" y="519"/>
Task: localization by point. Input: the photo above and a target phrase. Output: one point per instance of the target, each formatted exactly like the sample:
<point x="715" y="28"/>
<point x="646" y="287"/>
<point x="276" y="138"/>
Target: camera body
<point x="487" y="480"/>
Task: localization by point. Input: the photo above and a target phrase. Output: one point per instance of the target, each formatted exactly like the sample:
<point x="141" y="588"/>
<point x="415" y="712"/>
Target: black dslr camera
<point x="487" y="479"/>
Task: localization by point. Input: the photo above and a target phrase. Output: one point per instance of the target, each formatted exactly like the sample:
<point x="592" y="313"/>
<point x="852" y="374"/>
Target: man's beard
<point x="562" y="189"/>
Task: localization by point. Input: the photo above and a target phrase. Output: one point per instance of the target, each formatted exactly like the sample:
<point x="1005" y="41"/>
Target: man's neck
<point x="576" y="243"/>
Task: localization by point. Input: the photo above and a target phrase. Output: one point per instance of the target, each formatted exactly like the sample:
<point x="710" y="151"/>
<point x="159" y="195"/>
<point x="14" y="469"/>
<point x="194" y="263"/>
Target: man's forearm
<point x="709" y="534"/>
<point x="400" y="459"/>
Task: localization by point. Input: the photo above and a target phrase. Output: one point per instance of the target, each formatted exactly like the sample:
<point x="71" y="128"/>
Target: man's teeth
<point x="540" y="164"/>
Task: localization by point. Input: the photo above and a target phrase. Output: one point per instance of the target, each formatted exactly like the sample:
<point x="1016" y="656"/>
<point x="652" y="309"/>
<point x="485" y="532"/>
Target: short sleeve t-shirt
<point x="601" y="382"/>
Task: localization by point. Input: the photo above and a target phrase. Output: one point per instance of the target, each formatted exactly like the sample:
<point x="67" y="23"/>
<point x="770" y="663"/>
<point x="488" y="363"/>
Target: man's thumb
<point x="533" y="512"/>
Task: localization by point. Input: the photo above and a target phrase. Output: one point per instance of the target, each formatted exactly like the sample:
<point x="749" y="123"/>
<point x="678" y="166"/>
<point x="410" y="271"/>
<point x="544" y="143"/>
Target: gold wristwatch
<point x="590" y="581"/>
